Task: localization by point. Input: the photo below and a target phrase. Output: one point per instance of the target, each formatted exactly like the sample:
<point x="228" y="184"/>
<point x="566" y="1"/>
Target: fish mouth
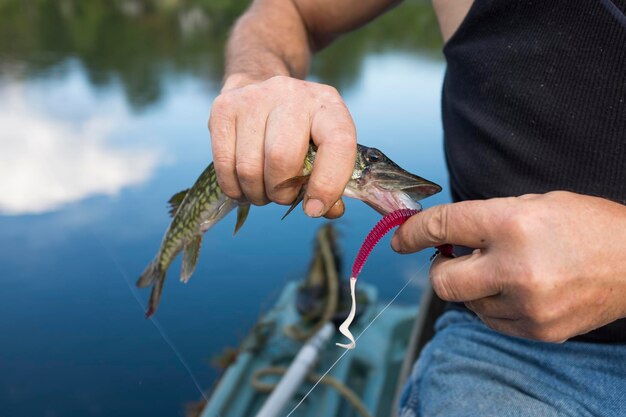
<point x="393" y="189"/>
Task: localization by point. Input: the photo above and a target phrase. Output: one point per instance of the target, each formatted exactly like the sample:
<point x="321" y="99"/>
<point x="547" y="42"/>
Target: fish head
<point x="383" y="185"/>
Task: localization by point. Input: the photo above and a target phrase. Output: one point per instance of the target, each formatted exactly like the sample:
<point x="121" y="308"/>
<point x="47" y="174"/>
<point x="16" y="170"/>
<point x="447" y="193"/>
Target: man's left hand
<point x="546" y="267"/>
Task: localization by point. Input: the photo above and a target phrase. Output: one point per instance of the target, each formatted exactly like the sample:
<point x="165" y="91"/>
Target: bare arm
<point x="276" y="37"/>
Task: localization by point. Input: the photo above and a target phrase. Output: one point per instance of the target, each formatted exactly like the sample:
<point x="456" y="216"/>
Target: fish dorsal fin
<point x="299" y="181"/>
<point x="242" y="215"/>
<point x="175" y="201"/>
<point x="191" y="253"/>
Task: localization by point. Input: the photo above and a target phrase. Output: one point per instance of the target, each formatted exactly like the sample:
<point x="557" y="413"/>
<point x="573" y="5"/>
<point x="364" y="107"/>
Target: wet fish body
<point x="376" y="180"/>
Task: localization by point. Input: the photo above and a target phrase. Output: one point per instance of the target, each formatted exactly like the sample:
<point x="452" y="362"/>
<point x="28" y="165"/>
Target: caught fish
<point x="376" y="180"/>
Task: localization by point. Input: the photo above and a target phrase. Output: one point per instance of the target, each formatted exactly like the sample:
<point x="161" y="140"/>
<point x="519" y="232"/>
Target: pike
<point x="376" y="180"/>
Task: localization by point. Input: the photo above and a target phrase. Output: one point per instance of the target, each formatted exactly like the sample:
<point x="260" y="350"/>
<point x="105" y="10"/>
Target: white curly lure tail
<point x="384" y="225"/>
<point x="345" y="326"/>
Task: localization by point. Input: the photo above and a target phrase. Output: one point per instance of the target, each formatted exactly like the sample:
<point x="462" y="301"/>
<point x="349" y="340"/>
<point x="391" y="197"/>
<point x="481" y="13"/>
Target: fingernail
<point x="314" y="208"/>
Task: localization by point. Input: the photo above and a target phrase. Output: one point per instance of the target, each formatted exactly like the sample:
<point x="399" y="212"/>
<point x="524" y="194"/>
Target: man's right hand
<point x="260" y="131"/>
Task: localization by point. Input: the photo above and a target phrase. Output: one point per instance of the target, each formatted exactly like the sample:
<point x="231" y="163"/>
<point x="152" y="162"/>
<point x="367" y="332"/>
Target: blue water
<point x="84" y="178"/>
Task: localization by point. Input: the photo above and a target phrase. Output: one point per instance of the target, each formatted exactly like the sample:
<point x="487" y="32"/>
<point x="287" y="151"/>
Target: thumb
<point x="468" y="223"/>
<point x="333" y="131"/>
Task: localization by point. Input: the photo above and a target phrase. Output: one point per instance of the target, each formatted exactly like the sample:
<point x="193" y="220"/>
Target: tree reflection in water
<point x="141" y="43"/>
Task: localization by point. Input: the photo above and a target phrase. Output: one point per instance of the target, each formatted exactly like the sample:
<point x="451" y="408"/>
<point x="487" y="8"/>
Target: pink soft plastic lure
<point x="384" y="225"/>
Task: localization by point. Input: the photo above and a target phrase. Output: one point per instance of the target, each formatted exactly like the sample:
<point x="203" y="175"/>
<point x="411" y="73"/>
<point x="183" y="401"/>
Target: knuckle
<point x="220" y="105"/>
<point x="523" y="275"/>
<point x="219" y="120"/>
<point x="531" y="282"/>
<point x="228" y="184"/>
<point x="328" y="98"/>
<point x="225" y="178"/>
<point x="436" y="227"/>
<point x="223" y="164"/>
<point x="538" y="315"/>
<point x="344" y="136"/>
<point x="558" y="194"/>
<point x="279" y="79"/>
<point x="441" y="285"/>
<point x="216" y="109"/>
<point x="543" y="333"/>
<point x="258" y="201"/>
<point x="276" y="156"/>
<point x="543" y="313"/>
<point x="325" y="187"/>
<point x="231" y="190"/>
<point x="525" y="310"/>
<point x="280" y="196"/>
<point x="282" y="84"/>
<point x="249" y="171"/>
<point x="519" y="225"/>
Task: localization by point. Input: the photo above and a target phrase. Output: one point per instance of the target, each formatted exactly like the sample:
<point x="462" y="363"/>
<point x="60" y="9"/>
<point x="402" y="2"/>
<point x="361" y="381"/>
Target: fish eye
<point x="374" y="155"/>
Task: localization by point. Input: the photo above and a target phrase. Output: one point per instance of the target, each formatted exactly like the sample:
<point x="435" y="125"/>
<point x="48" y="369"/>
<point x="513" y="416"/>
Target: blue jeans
<point x="471" y="370"/>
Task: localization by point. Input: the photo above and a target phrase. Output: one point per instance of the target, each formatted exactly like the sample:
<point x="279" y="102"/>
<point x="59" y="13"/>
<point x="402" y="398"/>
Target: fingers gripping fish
<point x="375" y="180"/>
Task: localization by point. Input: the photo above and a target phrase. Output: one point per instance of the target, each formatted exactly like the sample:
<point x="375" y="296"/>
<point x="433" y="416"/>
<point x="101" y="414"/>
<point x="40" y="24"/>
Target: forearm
<point x="277" y="37"/>
<point x="270" y="39"/>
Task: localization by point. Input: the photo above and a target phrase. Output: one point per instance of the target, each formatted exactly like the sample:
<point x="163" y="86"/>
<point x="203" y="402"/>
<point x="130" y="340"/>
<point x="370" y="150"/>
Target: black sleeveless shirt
<point x="534" y="100"/>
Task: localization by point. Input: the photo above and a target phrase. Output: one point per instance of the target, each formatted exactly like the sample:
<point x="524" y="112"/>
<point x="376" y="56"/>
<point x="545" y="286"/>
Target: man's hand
<point x="260" y="134"/>
<point x="546" y="267"/>
<point x="262" y="122"/>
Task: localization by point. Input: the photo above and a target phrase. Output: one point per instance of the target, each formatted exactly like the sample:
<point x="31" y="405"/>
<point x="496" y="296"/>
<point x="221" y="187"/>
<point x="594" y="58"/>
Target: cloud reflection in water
<point x="47" y="162"/>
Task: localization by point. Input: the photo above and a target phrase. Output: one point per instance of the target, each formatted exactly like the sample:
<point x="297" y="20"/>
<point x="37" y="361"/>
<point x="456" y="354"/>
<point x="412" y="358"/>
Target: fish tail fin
<point x="155" y="276"/>
<point x="151" y="274"/>
<point x="155" y="296"/>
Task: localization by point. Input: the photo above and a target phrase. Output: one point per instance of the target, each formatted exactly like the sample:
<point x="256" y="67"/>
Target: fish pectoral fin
<point x="242" y="215"/>
<point x="175" y="201"/>
<point x="295" y="203"/>
<point x="299" y="181"/>
<point x="191" y="252"/>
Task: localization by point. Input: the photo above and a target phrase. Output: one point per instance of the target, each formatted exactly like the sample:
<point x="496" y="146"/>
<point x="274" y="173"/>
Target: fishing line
<point x="359" y="336"/>
<point x="154" y="321"/>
